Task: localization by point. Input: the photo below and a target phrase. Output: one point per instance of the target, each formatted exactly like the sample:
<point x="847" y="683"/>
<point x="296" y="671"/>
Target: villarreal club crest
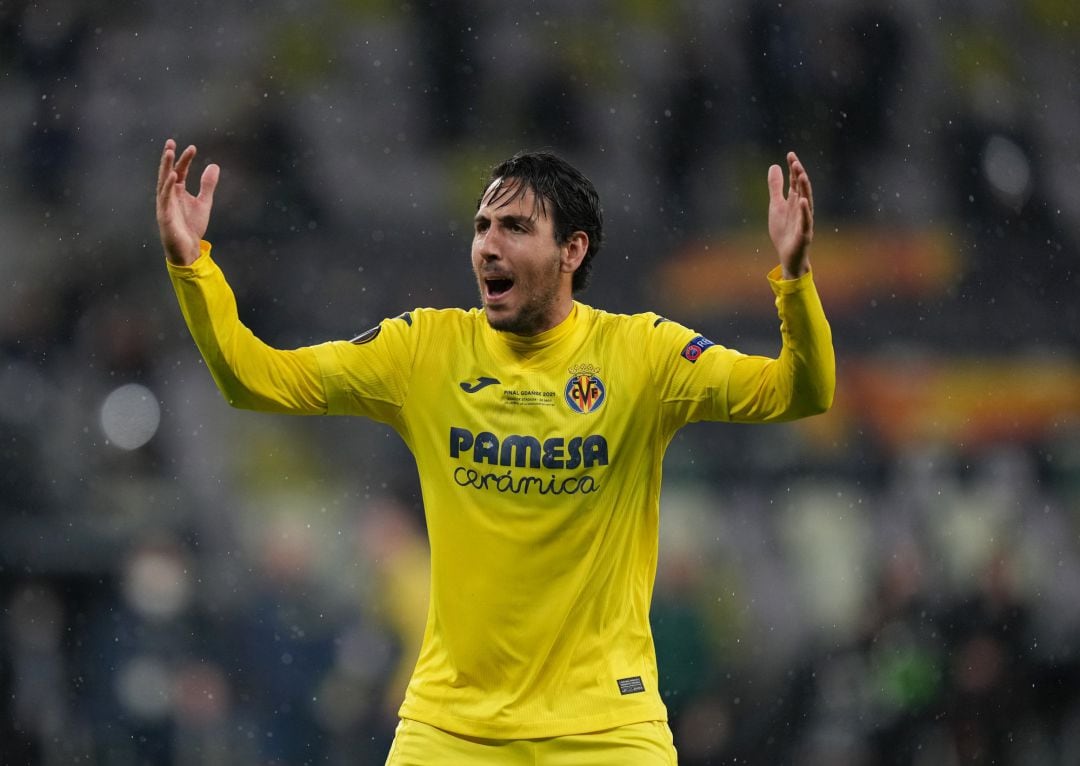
<point x="584" y="391"/>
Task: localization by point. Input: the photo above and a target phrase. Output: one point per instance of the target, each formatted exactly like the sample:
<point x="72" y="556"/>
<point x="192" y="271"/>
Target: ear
<point x="572" y="252"/>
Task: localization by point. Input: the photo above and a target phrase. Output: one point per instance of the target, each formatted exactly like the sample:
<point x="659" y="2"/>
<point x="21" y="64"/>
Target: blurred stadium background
<point x="897" y="582"/>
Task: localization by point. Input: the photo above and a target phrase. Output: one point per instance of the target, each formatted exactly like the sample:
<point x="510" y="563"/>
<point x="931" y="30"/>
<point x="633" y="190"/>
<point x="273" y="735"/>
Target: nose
<point x="488" y="245"/>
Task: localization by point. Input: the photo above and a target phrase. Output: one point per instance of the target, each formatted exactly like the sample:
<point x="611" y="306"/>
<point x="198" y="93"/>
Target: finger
<point x="208" y="183"/>
<point x="795" y="172"/>
<point x="807" y="189"/>
<point x="166" y="165"/>
<point x="776" y="183"/>
<point x="800" y="182"/>
<point x="807" y="217"/>
<point x="184" y="163"/>
<point x="165" y="195"/>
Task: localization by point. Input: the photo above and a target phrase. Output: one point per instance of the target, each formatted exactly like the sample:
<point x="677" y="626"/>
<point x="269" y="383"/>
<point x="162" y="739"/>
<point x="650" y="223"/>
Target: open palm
<point x="791" y="217"/>
<point x="183" y="217"/>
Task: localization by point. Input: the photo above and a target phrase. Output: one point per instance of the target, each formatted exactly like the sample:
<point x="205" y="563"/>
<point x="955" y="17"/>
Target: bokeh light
<point x="130" y="416"/>
<point x="156" y="584"/>
<point x="144" y="686"/>
<point x="1008" y="170"/>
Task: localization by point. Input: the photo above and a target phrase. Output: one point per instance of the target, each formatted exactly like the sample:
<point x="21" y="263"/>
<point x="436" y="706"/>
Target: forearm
<point x="249" y="373"/>
<point x="801" y="381"/>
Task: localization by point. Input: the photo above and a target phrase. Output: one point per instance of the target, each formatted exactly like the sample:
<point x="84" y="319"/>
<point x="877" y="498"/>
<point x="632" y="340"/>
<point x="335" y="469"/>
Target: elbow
<point x="821" y="404"/>
<point x="247" y="400"/>
<point x="814" y="401"/>
<point x="235" y="395"/>
<point x="820" y="391"/>
<point x="826" y="398"/>
<point x="237" y="402"/>
<point x="822" y="400"/>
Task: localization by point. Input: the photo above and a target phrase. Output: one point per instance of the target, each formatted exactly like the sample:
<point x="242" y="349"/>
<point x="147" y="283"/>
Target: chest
<point x="554" y="411"/>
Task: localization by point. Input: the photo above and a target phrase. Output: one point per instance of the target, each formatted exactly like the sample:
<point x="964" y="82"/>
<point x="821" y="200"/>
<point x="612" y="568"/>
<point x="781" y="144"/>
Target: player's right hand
<point x="181" y="216"/>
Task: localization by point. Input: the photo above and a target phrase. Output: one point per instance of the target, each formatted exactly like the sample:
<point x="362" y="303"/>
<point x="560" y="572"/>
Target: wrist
<point x="794" y="272"/>
<point x="184" y="256"/>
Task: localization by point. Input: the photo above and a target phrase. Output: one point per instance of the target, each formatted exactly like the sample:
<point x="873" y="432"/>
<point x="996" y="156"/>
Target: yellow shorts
<point x="639" y="744"/>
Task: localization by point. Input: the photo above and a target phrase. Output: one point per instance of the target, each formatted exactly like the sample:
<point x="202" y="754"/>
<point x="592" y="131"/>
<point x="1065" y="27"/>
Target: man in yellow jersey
<point x="539" y="425"/>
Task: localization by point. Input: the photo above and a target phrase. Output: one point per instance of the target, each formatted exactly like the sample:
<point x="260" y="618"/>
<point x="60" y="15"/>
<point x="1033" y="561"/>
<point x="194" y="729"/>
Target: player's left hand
<point x="791" y="218"/>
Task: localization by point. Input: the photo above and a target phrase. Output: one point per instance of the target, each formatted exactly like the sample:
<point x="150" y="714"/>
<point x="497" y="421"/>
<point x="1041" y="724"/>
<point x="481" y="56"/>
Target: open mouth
<point x="497" y="287"/>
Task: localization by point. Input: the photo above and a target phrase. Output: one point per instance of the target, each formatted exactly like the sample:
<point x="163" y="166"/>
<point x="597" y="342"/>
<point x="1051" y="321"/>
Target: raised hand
<point x="791" y="218"/>
<point x="183" y="217"/>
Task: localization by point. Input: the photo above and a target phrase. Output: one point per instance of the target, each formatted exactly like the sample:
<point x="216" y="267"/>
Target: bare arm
<point x="181" y="216"/>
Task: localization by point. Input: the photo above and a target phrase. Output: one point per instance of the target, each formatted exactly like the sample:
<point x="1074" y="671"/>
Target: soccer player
<point x="538" y="424"/>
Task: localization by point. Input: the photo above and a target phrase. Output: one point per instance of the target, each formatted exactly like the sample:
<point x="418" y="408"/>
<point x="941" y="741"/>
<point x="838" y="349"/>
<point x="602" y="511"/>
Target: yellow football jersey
<point x="540" y="460"/>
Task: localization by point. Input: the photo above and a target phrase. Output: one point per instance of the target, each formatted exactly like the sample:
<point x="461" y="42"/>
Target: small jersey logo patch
<point x="471" y="387"/>
<point x="632" y="685"/>
<point x="696" y="347"/>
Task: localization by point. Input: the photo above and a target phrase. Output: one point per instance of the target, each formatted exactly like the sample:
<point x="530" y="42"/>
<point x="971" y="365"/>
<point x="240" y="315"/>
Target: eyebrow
<point x="507" y="220"/>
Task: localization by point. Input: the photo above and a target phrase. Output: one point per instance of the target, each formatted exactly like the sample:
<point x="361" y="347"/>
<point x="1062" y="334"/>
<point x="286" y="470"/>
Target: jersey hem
<point x="561" y="728"/>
